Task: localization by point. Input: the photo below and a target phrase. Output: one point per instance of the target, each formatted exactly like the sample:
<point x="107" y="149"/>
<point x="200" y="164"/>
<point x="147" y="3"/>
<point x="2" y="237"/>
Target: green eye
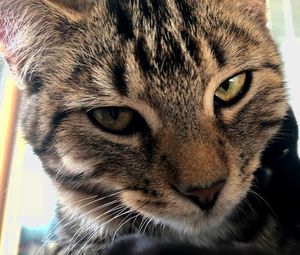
<point x="113" y="119"/>
<point x="232" y="89"/>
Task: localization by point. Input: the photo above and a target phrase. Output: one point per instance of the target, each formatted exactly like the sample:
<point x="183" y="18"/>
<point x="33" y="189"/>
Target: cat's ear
<point x="72" y="6"/>
<point x="255" y="9"/>
<point x="29" y="30"/>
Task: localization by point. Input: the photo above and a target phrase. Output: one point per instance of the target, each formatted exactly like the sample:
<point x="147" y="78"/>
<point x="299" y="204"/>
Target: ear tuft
<point x="256" y="9"/>
<point x="6" y="31"/>
<point x="2" y="34"/>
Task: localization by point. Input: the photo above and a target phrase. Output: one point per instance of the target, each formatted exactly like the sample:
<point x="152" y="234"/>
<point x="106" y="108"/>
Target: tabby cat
<point x="155" y="118"/>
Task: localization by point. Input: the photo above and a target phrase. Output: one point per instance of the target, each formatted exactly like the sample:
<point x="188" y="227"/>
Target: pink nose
<point x="205" y="198"/>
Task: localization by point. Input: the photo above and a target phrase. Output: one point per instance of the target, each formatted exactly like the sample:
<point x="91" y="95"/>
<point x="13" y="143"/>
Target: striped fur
<point x="164" y="59"/>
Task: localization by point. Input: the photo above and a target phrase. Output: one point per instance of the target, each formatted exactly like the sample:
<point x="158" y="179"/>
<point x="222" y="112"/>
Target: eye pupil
<point x="226" y="85"/>
<point x="114" y="112"/>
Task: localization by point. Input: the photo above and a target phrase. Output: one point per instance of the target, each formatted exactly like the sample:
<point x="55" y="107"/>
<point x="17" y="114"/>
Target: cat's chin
<point x="200" y="226"/>
<point x="193" y="226"/>
<point x="198" y="223"/>
<point x="198" y="230"/>
<point x="206" y="223"/>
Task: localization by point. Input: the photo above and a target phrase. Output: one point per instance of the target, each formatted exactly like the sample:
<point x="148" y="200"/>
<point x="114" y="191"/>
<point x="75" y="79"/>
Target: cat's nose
<point x="205" y="198"/>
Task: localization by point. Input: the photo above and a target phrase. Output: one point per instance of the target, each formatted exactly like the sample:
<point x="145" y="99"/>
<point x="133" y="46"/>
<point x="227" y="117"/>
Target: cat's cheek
<point x="236" y="188"/>
<point x="234" y="192"/>
<point x="73" y="166"/>
<point x="97" y="213"/>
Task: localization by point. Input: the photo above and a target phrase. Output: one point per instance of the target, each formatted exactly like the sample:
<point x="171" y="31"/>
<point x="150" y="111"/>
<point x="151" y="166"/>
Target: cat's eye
<point x="117" y="120"/>
<point x="232" y="89"/>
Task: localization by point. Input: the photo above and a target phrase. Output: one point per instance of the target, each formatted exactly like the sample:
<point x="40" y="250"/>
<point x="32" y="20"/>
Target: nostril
<point x="205" y="198"/>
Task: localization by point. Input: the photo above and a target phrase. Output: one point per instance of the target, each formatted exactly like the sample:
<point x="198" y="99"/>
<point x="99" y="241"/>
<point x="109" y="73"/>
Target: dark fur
<point x="134" y="245"/>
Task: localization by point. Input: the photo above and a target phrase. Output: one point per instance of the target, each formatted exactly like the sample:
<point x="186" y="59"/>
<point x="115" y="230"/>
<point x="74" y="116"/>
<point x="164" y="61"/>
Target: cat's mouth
<point x="205" y="198"/>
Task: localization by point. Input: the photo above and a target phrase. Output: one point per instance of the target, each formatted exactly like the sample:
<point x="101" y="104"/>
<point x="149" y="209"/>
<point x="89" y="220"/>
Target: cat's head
<point x="153" y="108"/>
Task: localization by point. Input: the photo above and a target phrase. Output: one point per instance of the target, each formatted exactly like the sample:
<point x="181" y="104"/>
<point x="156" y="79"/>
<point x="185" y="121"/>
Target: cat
<point x="157" y="118"/>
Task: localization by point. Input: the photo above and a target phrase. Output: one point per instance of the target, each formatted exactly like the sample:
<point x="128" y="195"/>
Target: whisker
<point x="122" y="224"/>
<point x="141" y="225"/>
<point x="119" y="214"/>
<point x="77" y="233"/>
<point x="266" y="203"/>
<point x="52" y="232"/>
<point x="133" y="223"/>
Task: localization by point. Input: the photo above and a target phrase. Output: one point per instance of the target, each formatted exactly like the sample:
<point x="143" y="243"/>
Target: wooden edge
<point x="8" y="120"/>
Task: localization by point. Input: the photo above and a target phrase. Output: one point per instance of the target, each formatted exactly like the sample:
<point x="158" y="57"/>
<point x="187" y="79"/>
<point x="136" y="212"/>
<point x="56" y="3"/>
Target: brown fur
<point x="65" y="55"/>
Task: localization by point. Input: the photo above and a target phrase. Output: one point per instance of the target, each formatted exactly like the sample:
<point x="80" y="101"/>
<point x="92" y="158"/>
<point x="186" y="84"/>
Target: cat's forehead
<point x="173" y="38"/>
<point x="167" y="49"/>
<point x="166" y="52"/>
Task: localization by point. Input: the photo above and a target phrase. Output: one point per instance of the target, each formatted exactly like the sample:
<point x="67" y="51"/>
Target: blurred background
<point x="27" y="200"/>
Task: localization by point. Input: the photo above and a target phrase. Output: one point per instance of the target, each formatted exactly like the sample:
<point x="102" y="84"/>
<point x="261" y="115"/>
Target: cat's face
<point x="133" y="106"/>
